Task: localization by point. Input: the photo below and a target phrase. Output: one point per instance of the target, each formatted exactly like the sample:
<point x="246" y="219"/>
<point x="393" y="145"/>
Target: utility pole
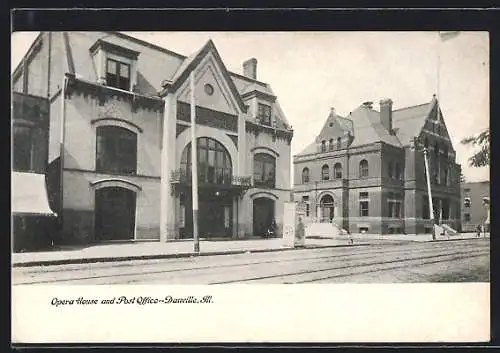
<point x="431" y="207"/>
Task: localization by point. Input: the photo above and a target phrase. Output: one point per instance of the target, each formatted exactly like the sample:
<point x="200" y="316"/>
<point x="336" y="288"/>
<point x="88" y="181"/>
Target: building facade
<point x="474" y="211"/>
<point x="366" y="172"/>
<point x="32" y="217"/>
<point x="120" y="139"/>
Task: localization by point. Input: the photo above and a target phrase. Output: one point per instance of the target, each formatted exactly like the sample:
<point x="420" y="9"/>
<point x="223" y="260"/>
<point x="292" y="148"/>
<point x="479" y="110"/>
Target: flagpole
<point x="438" y="63"/>
<point x="194" y="166"/>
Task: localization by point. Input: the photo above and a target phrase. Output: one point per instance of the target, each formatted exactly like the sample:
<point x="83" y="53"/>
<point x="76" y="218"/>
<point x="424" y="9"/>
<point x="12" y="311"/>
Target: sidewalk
<point x="178" y="249"/>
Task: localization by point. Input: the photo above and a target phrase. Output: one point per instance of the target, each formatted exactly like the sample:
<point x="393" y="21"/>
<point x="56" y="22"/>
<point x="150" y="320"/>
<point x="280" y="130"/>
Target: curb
<point x="192" y="254"/>
<point x="168" y="256"/>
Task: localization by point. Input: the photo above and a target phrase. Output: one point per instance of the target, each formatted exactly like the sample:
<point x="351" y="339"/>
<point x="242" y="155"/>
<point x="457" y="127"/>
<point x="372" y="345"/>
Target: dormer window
<point x="118" y="74"/>
<point x="264" y="114"/>
<point x="116" y="65"/>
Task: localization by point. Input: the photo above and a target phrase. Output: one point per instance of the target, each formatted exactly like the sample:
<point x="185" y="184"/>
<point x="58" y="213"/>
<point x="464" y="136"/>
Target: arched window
<point x="116" y="150"/>
<point x="323" y="146"/>
<point x="325" y="172"/>
<point x="337" y="171"/>
<point x="214" y="162"/>
<point x="339" y="143"/>
<point x="330" y="145"/>
<point x="390" y="170"/>
<point x="305" y="175"/>
<point x="264" y="170"/>
<point x="363" y="168"/>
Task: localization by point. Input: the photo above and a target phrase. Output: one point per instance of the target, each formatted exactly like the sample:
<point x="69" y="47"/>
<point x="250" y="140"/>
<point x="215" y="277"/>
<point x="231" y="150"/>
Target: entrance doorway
<point x="114" y="214"/>
<point x="215" y="213"/>
<point x="327" y="208"/>
<point x="263" y="215"/>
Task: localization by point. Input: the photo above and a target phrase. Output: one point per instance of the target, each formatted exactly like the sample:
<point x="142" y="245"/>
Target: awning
<point x="29" y="194"/>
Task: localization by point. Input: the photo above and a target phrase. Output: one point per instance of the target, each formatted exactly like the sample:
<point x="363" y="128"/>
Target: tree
<point x="480" y="158"/>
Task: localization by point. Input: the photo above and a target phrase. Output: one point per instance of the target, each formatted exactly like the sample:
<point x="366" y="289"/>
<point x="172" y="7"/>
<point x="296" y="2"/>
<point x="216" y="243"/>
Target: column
<point x="245" y="215"/>
<point x="168" y="151"/>
<point x="235" y="217"/>
<point x="239" y="168"/>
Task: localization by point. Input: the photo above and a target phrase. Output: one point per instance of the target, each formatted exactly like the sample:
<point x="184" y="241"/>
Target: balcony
<point x="180" y="178"/>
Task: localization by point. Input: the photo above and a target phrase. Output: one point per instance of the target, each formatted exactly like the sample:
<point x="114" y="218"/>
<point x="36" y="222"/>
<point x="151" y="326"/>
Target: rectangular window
<point x="467" y="217"/>
<point x="264" y="114"/>
<point x="394" y="201"/>
<point x="363" y="204"/>
<point x="118" y="74"/>
<point x="305" y="199"/>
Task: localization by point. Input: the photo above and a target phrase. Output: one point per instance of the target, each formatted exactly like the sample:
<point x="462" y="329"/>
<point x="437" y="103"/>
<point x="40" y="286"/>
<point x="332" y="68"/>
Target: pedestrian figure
<point x="300" y="232"/>
<point x="271" y="231"/>
<point x="478" y="230"/>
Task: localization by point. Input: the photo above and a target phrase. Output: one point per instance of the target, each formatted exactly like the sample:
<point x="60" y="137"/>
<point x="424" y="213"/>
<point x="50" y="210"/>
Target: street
<point x="447" y="261"/>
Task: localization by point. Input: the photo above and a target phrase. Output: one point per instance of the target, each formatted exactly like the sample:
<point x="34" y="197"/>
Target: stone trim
<point x="116" y="122"/>
<point x="78" y="170"/>
<point x="114" y="49"/>
<point x="104" y="93"/>
<point x="265" y="150"/>
<point x="115" y="182"/>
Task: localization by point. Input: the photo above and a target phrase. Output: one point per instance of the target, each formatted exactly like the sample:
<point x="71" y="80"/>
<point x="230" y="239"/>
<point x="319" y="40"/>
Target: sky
<point x="311" y="72"/>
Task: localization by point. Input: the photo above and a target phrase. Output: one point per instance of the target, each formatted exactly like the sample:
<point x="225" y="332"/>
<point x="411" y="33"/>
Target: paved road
<point x="449" y="261"/>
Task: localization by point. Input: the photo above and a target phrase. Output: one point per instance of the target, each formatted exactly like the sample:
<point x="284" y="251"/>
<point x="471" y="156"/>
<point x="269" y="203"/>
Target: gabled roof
<point x="154" y="66"/>
<point x="408" y="122"/>
<point x="192" y="61"/>
<point x="365" y="124"/>
<point x="334" y="126"/>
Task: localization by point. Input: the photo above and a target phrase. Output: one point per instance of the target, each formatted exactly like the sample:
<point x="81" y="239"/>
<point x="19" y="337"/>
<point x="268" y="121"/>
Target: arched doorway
<point x="327" y="208"/>
<point x="263" y="215"/>
<point x="215" y="199"/>
<point x="114" y="214"/>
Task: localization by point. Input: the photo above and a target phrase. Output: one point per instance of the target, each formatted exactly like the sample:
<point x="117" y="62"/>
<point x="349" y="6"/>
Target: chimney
<point x="386" y="114"/>
<point x="250" y="68"/>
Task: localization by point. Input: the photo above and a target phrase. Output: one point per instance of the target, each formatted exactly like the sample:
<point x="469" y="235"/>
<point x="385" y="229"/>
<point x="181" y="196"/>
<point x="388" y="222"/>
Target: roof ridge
<point x="411" y="106"/>
<point x="248" y="78"/>
<point x="147" y="44"/>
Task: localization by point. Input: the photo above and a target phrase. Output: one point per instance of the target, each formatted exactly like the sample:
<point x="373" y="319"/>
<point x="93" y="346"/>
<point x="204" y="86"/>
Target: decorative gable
<point x="334" y="135"/>
<point x="196" y="62"/>
<point x="211" y="90"/>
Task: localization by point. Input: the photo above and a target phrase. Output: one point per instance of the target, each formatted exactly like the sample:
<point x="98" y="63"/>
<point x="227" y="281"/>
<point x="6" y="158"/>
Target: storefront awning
<point x="29" y="194"/>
